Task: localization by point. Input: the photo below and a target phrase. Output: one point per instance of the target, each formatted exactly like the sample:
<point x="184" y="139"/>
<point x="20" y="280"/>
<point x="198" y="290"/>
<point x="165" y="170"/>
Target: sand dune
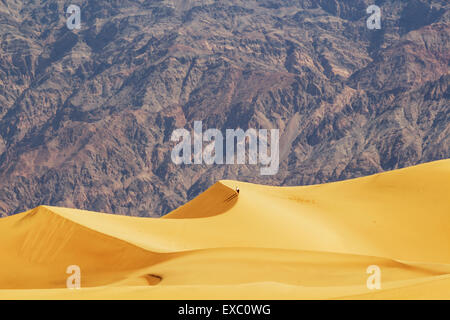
<point x="312" y="242"/>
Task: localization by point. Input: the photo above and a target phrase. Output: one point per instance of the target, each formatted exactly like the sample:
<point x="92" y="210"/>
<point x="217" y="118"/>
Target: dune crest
<point x="218" y="199"/>
<point x="311" y="242"/>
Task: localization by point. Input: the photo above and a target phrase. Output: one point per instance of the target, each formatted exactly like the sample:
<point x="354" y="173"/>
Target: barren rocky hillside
<point x="86" y="115"/>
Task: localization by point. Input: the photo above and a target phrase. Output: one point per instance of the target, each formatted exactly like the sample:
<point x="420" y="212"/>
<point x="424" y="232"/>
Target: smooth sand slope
<point x="312" y="242"/>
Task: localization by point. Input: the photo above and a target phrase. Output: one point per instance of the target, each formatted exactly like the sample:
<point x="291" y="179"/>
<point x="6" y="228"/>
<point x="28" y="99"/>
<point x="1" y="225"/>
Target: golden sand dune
<point x="312" y="242"/>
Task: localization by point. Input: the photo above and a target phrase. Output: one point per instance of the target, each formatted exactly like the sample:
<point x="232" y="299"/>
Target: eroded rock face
<point x="86" y="115"/>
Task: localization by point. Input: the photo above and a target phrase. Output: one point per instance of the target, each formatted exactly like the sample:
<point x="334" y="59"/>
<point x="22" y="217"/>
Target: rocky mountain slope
<point x="86" y="115"/>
